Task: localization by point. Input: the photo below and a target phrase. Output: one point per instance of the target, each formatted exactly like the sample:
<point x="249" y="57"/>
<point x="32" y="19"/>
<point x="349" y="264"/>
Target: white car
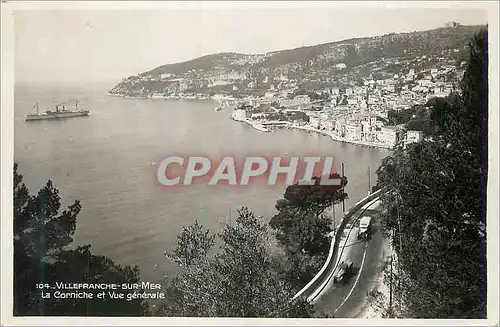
<point x="364" y="227"/>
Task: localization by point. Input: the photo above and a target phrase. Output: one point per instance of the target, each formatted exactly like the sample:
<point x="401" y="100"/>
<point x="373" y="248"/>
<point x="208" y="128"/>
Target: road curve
<point x="347" y="300"/>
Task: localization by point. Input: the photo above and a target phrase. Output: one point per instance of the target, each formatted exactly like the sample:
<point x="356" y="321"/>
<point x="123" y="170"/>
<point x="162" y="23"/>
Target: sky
<point x="71" y="46"/>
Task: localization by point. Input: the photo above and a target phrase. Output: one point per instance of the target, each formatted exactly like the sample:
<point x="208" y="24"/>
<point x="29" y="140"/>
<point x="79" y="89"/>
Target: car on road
<point x="364" y="227"/>
<point x="342" y="271"/>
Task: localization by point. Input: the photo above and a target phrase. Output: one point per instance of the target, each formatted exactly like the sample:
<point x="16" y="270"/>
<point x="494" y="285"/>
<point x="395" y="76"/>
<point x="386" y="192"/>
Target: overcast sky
<point x="105" y="45"/>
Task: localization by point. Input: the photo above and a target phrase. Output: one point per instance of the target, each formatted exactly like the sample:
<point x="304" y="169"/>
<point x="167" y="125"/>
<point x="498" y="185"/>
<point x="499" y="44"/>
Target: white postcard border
<point x="7" y="134"/>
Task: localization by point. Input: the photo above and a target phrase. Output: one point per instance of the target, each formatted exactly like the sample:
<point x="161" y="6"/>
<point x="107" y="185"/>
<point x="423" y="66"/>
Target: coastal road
<point x="347" y="300"/>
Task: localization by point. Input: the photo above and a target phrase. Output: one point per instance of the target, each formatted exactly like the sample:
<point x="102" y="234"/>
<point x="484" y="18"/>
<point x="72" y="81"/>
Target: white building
<point x="219" y="82"/>
<point x="390" y="88"/>
<point x="420" y="88"/>
<point x="424" y="82"/>
<point x="440" y="94"/>
<point x="239" y="115"/>
<point x="413" y="137"/>
<point x="341" y="66"/>
<point x="288" y="102"/>
<point x="314" y="122"/>
<point x="303" y="99"/>
<point x="365" y="129"/>
<point x="282" y="78"/>
<point x="183" y="86"/>
<point x="339" y="126"/>
<point x="327" y="125"/>
<point x="353" y="131"/>
<point x="165" y="76"/>
<point x="235" y="75"/>
<point x="263" y="101"/>
<point x="352" y="101"/>
<point x="390" y="135"/>
<point x="298" y="100"/>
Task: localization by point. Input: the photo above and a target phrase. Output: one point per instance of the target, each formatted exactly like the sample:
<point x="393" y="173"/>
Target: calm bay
<point x="107" y="161"/>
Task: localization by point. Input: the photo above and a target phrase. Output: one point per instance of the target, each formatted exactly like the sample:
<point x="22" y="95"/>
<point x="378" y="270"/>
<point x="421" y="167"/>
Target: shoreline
<point x="257" y="126"/>
<point x="262" y="128"/>
<point x="176" y="97"/>
<point x="334" y="137"/>
<point x="341" y="139"/>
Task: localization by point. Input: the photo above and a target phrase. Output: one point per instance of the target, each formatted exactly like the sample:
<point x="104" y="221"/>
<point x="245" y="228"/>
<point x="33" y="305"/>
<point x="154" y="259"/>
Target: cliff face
<point x="315" y="65"/>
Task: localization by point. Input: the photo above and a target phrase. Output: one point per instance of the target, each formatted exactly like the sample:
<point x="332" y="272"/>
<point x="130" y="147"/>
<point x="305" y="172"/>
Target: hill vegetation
<point x="308" y="67"/>
<point x="436" y="206"/>
<point x="207" y="62"/>
<point x="353" y="51"/>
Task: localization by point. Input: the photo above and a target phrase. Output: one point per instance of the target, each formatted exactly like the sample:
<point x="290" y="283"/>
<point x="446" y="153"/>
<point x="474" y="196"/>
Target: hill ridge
<point x="314" y="62"/>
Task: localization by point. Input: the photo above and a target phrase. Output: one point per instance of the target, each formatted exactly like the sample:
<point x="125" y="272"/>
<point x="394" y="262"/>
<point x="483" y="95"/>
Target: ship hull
<point x="57" y="115"/>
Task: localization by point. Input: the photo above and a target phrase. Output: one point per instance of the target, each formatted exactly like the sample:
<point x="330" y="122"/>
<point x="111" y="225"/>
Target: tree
<point x="299" y="115"/>
<point x="434" y="226"/>
<point x="191" y="293"/>
<point x="473" y="112"/>
<point x="419" y="118"/>
<point x="298" y="268"/>
<point x="241" y="280"/>
<point x="41" y="234"/>
<point x="435" y="205"/>
<point x="397" y="117"/>
<point x="302" y="229"/>
<point x="315" y="198"/>
<point x="81" y="265"/>
<point x="193" y="245"/>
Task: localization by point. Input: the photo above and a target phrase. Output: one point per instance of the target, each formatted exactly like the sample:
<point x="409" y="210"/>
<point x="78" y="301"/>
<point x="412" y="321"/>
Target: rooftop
<point x="393" y="128"/>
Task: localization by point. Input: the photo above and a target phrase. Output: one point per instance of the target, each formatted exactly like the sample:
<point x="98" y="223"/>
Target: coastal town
<point x="357" y="114"/>
<point x="349" y="101"/>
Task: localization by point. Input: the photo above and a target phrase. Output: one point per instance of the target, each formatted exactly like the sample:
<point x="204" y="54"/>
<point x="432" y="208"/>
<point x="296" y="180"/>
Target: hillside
<point x="312" y="66"/>
<point x="203" y="63"/>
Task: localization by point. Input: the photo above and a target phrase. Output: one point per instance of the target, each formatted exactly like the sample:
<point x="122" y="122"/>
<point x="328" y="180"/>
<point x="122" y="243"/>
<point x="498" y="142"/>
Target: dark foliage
<point x="302" y="228"/>
<point x="436" y="204"/>
<point x="41" y="234"/>
<point x="241" y="280"/>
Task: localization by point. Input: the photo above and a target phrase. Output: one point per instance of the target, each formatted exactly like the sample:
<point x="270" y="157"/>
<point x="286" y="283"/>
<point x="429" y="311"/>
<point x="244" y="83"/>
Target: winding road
<point x="347" y="300"/>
